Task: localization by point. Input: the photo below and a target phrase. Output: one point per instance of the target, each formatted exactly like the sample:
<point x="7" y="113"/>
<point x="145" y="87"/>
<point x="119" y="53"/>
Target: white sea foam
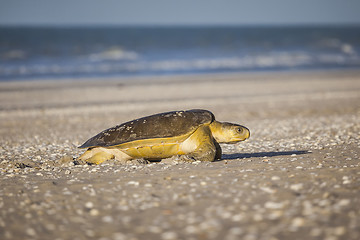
<point x="113" y="53"/>
<point x="233" y="63"/>
<point x="348" y="49"/>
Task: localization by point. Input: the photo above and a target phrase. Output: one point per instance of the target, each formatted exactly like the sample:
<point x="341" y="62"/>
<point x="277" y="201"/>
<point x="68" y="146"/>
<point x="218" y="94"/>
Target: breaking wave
<point x="128" y="63"/>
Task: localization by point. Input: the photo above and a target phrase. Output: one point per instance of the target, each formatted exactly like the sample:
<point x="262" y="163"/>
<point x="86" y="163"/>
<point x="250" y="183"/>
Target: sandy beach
<point x="297" y="177"/>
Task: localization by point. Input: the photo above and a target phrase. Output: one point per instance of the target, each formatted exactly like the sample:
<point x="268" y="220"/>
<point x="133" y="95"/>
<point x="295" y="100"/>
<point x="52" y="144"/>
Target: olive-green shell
<point x="162" y="125"/>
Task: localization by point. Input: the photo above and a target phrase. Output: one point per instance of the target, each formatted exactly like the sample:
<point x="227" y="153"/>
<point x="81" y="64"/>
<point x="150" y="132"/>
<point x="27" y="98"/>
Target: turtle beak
<point x="247" y="133"/>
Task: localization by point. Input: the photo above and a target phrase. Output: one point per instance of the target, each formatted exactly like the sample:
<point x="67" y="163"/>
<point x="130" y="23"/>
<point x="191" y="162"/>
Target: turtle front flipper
<point x="218" y="150"/>
<point x="207" y="149"/>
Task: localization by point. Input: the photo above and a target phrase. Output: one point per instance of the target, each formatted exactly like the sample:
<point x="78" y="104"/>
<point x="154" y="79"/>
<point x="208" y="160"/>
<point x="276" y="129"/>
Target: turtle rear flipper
<point x="99" y="155"/>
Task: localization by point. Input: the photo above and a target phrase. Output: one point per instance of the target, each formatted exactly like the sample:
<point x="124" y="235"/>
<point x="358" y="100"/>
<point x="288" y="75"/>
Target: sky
<point x="178" y="12"/>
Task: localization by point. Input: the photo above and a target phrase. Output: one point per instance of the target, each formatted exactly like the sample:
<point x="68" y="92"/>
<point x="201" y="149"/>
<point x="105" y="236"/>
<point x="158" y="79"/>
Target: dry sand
<point x="297" y="177"/>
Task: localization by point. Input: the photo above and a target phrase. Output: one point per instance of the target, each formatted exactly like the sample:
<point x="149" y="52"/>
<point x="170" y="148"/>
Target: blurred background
<point x="43" y="39"/>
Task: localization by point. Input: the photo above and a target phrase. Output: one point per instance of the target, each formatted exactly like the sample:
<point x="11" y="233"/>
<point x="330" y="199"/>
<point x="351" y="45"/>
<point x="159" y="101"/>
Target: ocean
<point x="28" y="53"/>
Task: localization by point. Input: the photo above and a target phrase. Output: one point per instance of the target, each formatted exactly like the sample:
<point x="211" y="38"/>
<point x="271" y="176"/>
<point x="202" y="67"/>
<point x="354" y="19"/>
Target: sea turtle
<point x="194" y="134"/>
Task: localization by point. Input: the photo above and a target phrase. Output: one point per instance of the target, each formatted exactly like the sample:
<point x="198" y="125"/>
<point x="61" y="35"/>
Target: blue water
<point x="35" y="53"/>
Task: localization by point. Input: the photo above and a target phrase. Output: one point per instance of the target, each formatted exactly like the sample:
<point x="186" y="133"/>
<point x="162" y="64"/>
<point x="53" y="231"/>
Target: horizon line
<point x="89" y="25"/>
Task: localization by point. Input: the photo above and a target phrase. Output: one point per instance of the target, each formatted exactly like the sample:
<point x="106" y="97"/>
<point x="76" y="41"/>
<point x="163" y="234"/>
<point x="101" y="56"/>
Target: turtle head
<point x="224" y="132"/>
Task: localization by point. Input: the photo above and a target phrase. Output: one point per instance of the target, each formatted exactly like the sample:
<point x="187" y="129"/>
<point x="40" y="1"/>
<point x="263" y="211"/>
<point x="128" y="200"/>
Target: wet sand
<point x="297" y="177"/>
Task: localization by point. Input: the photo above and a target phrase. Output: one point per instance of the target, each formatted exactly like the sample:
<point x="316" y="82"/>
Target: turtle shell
<point x="162" y="125"/>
